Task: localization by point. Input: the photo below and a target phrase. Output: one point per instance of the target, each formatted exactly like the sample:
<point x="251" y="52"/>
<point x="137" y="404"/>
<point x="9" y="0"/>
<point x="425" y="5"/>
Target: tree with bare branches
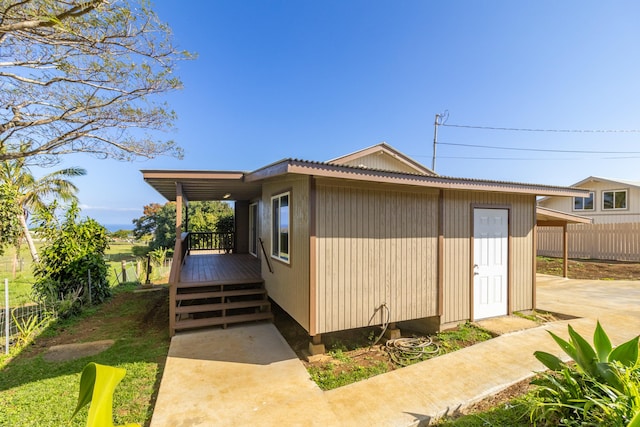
<point x="85" y="76"/>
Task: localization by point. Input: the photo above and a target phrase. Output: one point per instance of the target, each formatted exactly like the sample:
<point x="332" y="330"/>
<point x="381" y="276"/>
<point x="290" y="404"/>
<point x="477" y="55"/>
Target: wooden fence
<point x="619" y="242"/>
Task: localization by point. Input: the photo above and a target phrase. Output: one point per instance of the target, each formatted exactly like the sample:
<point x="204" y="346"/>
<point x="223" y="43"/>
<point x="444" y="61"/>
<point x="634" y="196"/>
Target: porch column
<point x="241" y="219"/>
<point x="179" y="201"/>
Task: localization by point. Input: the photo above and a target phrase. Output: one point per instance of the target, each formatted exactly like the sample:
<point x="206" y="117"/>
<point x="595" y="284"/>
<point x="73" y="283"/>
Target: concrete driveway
<point x="589" y="298"/>
<point x="249" y="376"/>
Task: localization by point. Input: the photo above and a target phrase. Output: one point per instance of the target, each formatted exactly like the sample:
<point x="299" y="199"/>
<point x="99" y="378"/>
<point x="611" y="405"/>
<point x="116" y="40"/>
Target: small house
<point x="613" y="205"/>
<point x="370" y="235"/>
<point x="609" y="201"/>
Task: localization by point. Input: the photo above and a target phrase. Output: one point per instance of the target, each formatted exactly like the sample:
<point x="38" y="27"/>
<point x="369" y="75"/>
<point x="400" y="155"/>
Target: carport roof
<point x="550" y="217"/>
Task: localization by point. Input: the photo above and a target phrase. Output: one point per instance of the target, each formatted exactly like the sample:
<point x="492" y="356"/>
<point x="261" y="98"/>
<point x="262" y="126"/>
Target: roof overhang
<point x="552" y="218"/>
<point x="363" y="174"/>
<point x="235" y="185"/>
<point x="202" y="185"/>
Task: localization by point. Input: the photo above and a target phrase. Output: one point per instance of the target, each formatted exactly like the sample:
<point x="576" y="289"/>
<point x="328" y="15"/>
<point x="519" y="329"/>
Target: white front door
<point x="490" y="257"/>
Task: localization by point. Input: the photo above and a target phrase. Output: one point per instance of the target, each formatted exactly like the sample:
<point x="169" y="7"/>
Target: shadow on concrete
<point x="257" y="344"/>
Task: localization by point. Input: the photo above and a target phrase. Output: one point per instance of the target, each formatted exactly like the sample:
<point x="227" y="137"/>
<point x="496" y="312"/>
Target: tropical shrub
<point x="72" y="258"/>
<point x="601" y="387"/>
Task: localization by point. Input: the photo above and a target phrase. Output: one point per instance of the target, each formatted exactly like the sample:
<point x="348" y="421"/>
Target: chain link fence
<point x="18" y="322"/>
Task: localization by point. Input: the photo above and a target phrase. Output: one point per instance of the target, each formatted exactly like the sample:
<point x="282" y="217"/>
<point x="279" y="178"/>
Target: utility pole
<point x="435" y="141"/>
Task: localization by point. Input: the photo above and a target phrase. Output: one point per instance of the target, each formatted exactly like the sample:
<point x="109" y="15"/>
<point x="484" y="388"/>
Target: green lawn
<point x="117" y="253"/>
<point x="37" y="392"/>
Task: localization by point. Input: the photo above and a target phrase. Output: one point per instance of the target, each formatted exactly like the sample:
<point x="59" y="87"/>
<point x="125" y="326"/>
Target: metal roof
<point x="546" y="216"/>
<point x="215" y="185"/>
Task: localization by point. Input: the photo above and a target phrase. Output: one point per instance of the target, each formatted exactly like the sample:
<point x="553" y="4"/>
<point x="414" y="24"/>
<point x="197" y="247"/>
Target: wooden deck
<point x="220" y="269"/>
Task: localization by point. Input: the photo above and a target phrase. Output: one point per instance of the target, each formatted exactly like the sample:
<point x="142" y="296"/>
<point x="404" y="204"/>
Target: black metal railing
<point x="209" y="240"/>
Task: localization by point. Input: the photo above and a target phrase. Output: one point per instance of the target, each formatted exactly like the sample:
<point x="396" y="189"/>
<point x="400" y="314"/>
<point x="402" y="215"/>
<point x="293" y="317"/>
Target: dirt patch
<point x="62" y="353"/>
<point x="590" y="269"/>
<point x="502" y="397"/>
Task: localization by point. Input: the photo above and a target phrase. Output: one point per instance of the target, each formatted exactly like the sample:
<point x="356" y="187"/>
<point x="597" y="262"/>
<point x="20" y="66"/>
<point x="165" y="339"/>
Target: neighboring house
<point x="609" y="201"/>
<point x="371" y="237"/>
<point x="614" y="234"/>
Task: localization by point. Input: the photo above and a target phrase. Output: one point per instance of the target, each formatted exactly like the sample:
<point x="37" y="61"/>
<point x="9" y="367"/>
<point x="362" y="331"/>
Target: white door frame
<point x="497" y="286"/>
<point x="254" y="231"/>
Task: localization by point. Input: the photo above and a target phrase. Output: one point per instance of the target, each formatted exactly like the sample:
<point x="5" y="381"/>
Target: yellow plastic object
<point x="97" y="384"/>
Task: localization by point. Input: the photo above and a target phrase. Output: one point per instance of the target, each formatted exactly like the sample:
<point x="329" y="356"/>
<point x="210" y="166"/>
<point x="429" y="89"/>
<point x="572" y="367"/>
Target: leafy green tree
<point x="164" y="234"/>
<point x="9" y="211"/>
<point x="146" y="224"/>
<point x="73" y="250"/>
<point x="85" y="76"/>
<point x="160" y="221"/>
<point x="203" y="216"/>
<point x="30" y="194"/>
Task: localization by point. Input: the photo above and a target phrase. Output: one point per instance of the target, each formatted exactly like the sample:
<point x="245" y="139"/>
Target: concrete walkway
<point x="249" y="376"/>
<point x="243" y="375"/>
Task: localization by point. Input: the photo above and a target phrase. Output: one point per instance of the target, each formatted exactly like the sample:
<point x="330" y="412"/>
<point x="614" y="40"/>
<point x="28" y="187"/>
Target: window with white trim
<point x="280" y="220"/>
<point x="583" y="203"/>
<point x="612" y="200"/>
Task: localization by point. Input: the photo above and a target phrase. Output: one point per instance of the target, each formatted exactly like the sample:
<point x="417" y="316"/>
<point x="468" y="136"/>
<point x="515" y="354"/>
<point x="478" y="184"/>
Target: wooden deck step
<point x="201" y="308"/>
<point x="221" y="294"/>
<point x="215" y="321"/>
<point x="248" y="281"/>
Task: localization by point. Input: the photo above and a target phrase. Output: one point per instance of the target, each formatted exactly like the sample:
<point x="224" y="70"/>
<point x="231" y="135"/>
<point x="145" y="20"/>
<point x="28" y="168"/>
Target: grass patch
<point x="115" y="254"/>
<point x="351" y="358"/>
<point x="464" y="335"/>
<point x="346" y="371"/>
<point x="514" y="413"/>
<point x="36" y="392"/>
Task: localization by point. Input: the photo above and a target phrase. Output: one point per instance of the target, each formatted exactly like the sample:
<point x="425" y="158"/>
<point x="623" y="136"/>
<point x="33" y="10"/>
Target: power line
<point x="543" y="130"/>
<point x="532" y="159"/>
<point x="546" y="150"/>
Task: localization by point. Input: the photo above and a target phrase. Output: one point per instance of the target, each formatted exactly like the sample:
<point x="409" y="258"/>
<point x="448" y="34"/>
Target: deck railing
<point x="208" y="240"/>
<point x="179" y="254"/>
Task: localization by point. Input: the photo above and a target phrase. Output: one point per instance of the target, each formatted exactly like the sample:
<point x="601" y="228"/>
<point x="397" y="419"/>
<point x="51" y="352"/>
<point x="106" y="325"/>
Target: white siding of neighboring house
<point x="600" y="216"/>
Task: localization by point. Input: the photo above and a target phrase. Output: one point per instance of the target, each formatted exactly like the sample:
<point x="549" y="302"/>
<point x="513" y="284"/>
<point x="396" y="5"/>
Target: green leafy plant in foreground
<point x="97" y="384"/>
<point x="601" y="388"/>
<point x="596" y="362"/>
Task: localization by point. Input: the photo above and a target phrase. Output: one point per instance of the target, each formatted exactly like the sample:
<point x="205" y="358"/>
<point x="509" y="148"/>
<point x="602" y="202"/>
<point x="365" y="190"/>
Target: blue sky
<point x="318" y="79"/>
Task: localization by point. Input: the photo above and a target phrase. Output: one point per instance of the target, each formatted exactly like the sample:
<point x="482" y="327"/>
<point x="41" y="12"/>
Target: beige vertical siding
<point x="381" y="161"/>
<point x="376" y="245"/>
<point x="288" y="285"/>
<point x="457" y="211"/>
